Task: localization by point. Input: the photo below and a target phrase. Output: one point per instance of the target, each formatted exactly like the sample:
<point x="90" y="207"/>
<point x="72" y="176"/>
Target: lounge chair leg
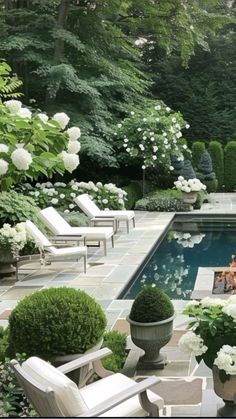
<point x="127" y="225"/>
<point x="105" y="247"/>
<point x="112" y="241"/>
<point x="134" y="222"/>
<point x="85" y="264"/>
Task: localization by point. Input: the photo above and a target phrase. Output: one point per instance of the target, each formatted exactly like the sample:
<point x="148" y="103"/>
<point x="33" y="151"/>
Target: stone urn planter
<point x="189" y="198"/>
<point x="227" y="391"/>
<point x="6" y="262"/>
<point x="151" y="325"/>
<point x="151" y="337"/>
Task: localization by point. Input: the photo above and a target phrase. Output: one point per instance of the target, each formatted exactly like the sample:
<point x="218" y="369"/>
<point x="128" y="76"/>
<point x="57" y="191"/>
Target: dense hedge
<point x="151" y="305"/>
<point x="198" y="148"/>
<point x="230" y="166"/>
<point x="55" y="321"/>
<point x="169" y="200"/>
<point x="115" y="341"/>
<point x="134" y="192"/>
<point x="217" y="155"/>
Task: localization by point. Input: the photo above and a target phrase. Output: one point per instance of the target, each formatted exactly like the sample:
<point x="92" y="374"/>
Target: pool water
<point x="186" y="246"/>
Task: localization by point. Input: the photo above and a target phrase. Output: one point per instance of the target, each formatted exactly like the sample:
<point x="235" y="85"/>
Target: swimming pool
<point x="186" y="246"/>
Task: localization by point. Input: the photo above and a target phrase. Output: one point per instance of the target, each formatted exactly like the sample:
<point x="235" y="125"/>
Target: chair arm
<point x="108" y="217"/>
<point x="84" y="360"/>
<point x="65" y="237"/>
<point x="56" y="245"/>
<point x="122" y="396"/>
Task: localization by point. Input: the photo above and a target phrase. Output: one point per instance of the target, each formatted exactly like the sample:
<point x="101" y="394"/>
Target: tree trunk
<point x="59" y="46"/>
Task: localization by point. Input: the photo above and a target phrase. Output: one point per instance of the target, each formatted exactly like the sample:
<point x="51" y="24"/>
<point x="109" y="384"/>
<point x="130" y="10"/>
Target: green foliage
<point x="211" y="185"/>
<point x="16" y="207"/>
<point x="169" y="200"/>
<point x="3" y="343"/>
<point x="217" y="155"/>
<point x="230" y="166"/>
<point x="187" y="171"/>
<point x="199" y="201"/>
<point x="13" y="402"/>
<point x="151" y="305"/>
<point x="206" y="174"/>
<point x="198" y="148"/>
<point x="8" y="83"/>
<point x="115" y="341"/>
<point x="134" y="192"/>
<point x="55" y="321"/>
<point x="76" y="219"/>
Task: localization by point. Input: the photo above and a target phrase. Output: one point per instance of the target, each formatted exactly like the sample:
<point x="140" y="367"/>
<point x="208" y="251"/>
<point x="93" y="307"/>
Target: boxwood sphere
<point x="151" y="305"/>
<point x="55" y="321"/>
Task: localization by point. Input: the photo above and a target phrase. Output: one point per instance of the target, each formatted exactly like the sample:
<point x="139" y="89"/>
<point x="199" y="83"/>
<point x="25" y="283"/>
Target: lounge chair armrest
<point x="56" y="245"/>
<point x="122" y="396"/>
<point x="109" y="217"/>
<point x="67" y="237"/>
<point x="84" y="360"/>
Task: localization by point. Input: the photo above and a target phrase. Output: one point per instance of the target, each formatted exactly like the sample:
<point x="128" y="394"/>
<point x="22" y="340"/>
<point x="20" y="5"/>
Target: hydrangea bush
<point x="213" y="334"/>
<point x="190" y="185"/>
<point x="153" y="135"/>
<point x="13" y="238"/>
<point x="33" y="144"/>
<point x="61" y="195"/>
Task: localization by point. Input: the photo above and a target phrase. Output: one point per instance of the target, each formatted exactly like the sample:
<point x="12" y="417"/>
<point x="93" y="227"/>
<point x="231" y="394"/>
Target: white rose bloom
<point x="187" y="126"/>
<point x="74" y="133"/>
<point x="152" y="139"/>
<point x="157" y="119"/>
<point x="141" y="146"/>
<point x="230" y="310"/>
<point x="71" y="161"/>
<point x="43" y="117"/>
<point x="73" y="147"/>
<point x="125" y="145"/>
<point x="144" y="137"/>
<point x="62" y="119"/>
<point x="173" y="120"/>
<point x="4" y="148"/>
<point x="157" y="108"/>
<point x="54" y="201"/>
<point x="24" y="113"/>
<point x="71" y="206"/>
<point x="21" y="158"/>
<point x="143" y="167"/>
<point x="66" y="211"/>
<point x="105" y="201"/>
<point x="3" y="167"/>
<point x="139" y="129"/>
<point x="14" y="106"/>
<point x="128" y="149"/>
<point x="75" y="187"/>
<point x="73" y="195"/>
<point x="168" y="109"/>
<point x="192" y="343"/>
<point x="144" y="119"/>
<point x="154" y="157"/>
<point x="171" y="168"/>
<point x="132" y="112"/>
<point x="155" y="148"/>
<point x="126" y="140"/>
<point x="62" y="196"/>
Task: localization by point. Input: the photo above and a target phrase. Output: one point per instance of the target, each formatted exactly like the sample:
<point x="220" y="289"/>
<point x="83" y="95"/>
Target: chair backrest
<point x="54" y="221"/>
<point x="87" y="205"/>
<point x="50" y="391"/>
<point x="39" y="238"/>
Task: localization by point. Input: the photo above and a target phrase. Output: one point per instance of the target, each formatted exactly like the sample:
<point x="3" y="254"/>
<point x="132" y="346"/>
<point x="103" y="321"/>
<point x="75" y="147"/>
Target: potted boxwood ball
<point x="56" y="324"/>
<point x="151" y="325"/>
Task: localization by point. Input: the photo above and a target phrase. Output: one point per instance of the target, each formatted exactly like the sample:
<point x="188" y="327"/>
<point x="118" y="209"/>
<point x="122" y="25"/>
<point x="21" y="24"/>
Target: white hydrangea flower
<point x="66" y="211"/>
<point x="71" y="206"/>
<point x="4" y="148"/>
<point x="187" y="126"/>
<point x="43" y="117"/>
<point x="14" y="106"/>
<point x="144" y="119"/>
<point x="230" y="310"/>
<point x="73" y="147"/>
<point x="3" y="167"/>
<point x="74" y="133"/>
<point x="231" y="300"/>
<point x="21" y="158"/>
<point x="178" y="135"/>
<point x="212" y="302"/>
<point x="157" y="108"/>
<point x="143" y="167"/>
<point x="139" y="129"/>
<point x="62" y="196"/>
<point x="226" y="359"/>
<point x="192" y="303"/>
<point x="119" y="125"/>
<point x="71" y="161"/>
<point x="154" y="157"/>
<point x="105" y="201"/>
<point x="75" y="187"/>
<point x="99" y="184"/>
<point x="73" y="195"/>
<point x="54" y="201"/>
<point x="168" y="109"/>
<point x="132" y="112"/>
<point x="62" y="119"/>
<point x="126" y="140"/>
<point x="24" y="113"/>
<point x="192" y="343"/>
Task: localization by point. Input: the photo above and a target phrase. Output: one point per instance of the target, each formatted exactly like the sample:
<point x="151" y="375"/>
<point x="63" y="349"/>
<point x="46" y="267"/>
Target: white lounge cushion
<point x="101" y="390"/>
<point x="93" y="233"/>
<point x="119" y="214"/>
<point x="87" y="205"/>
<point x="67" y="251"/>
<point x="66" y="392"/>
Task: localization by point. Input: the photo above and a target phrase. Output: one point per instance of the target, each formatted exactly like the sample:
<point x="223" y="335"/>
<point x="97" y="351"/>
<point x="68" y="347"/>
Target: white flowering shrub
<point x="187" y="239"/>
<point x="190" y="185"/>
<point x="32" y="144"/>
<point x="153" y="135"/>
<point x="61" y="195"/>
<point x="13" y="238"/>
<point x="213" y="334"/>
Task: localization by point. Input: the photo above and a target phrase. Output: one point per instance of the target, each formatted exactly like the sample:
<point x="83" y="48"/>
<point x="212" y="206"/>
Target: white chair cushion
<point x="70" y="251"/>
<point x="94" y="233"/>
<point x="54" y="221"/>
<point x="119" y="214"/>
<point x="67" y="394"/>
<point x="87" y="205"/>
<point x="101" y="390"/>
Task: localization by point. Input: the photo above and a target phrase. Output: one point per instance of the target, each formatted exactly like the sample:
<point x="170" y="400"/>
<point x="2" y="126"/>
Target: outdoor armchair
<point x="53" y="394"/>
<point x="53" y="252"/>
<point x="96" y="215"/>
<point x="60" y="227"/>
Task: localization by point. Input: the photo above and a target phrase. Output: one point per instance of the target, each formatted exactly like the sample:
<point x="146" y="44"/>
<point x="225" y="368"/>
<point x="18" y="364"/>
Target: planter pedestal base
<point x="158" y="364"/>
<point x="7" y="268"/>
<point x="228" y="410"/>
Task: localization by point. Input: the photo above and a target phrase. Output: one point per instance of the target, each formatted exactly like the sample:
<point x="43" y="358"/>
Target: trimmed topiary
<point x="198" y="148"/>
<point x="55" y="321"/>
<point x="206" y="174"/>
<point x="217" y="156"/>
<point x="151" y="305"/>
<point x="187" y="171"/>
<point x="230" y="166"/>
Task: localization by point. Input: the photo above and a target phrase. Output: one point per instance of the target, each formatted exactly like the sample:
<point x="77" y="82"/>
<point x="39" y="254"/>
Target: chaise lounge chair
<point x="95" y="214"/>
<point x="49" y="251"/>
<point x="59" y="226"/>
<point x="53" y="394"/>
